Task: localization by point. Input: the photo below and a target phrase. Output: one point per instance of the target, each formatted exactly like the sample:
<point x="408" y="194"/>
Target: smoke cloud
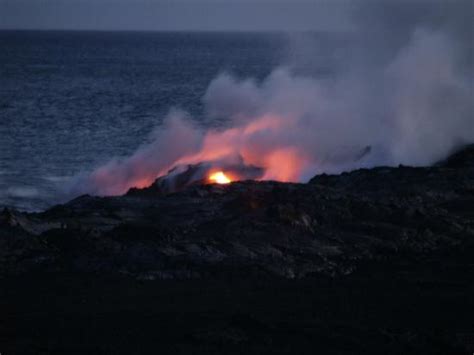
<point x="405" y="96"/>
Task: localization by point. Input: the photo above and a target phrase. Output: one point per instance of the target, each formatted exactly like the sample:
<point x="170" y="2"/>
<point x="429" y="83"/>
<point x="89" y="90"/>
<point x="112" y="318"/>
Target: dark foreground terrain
<point x="376" y="261"/>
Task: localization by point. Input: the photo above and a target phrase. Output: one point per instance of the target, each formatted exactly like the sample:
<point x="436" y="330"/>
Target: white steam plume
<point x="413" y="108"/>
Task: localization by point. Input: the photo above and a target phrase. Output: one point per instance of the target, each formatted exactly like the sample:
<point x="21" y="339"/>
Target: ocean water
<point x="70" y="101"/>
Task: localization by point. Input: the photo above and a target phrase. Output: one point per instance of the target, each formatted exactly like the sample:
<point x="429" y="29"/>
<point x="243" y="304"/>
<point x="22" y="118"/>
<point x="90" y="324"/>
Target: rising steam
<point x="413" y="108"/>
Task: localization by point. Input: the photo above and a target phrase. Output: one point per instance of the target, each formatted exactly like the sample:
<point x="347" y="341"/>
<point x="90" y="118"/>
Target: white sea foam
<point x="22" y="192"/>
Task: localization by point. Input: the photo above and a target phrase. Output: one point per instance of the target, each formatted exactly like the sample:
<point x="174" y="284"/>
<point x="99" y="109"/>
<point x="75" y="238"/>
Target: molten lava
<point x="219" y="178"/>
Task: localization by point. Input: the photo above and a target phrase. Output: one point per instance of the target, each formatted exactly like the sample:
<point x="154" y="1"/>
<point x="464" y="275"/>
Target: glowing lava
<point x="219" y="178"/>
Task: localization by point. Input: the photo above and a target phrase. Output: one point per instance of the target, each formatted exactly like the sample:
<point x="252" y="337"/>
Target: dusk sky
<point x="175" y="14"/>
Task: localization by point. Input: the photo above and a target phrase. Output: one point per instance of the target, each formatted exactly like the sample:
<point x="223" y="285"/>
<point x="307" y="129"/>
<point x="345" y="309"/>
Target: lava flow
<point x="219" y="178"/>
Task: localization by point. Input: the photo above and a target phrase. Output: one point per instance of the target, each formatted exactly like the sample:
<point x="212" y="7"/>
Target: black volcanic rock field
<point x="375" y="261"/>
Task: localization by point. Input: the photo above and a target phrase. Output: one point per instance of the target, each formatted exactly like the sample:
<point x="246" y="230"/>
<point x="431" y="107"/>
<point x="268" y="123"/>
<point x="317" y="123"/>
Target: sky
<point x="205" y="15"/>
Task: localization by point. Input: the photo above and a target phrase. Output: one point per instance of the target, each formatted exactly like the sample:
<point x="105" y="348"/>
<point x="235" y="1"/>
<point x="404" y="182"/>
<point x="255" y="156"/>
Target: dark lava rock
<point x="328" y="226"/>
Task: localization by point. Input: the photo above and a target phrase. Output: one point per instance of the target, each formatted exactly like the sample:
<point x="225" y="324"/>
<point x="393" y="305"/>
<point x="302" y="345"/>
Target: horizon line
<point x="276" y="31"/>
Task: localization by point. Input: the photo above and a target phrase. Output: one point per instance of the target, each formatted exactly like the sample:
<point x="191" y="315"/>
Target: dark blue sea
<point x="70" y="101"/>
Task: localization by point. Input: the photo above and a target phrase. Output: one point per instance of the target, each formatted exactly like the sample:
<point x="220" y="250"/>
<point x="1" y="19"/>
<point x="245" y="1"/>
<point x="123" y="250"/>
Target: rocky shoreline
<point x="326" y="226"/>
<point x="372" y="261"/>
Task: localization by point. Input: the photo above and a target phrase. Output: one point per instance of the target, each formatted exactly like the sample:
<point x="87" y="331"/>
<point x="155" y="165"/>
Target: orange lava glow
<point x="249" y="141"/>
<point x="219" y="178"/>
<point x="264" y="142"/>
